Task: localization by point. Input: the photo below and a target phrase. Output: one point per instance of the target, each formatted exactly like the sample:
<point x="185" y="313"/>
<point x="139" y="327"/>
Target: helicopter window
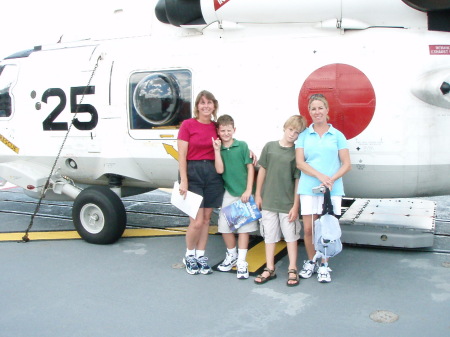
<point x="159" y="99"/>
<point x="8" y="74"/>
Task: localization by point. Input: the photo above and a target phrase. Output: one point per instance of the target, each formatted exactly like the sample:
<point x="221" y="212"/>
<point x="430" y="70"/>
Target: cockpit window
<point x="8" y="76"/>
<point x="160" y="99"/>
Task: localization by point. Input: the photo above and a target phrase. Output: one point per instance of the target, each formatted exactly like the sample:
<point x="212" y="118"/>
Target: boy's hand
<point x="246" y="196"/>
<point x="258" y="201"/>
<point x="293" y="214"/>
<point x="217" y="143"/>
<point x="254" y="157"/>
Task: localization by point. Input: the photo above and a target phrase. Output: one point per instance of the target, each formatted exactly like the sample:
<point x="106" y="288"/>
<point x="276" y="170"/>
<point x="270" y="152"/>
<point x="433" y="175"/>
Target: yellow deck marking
<point x="143" y="232"/>
<point x="129" y="233"/>
<point x="256" y="256"/>
<point x="69" y="235"/>
<point x="212" y="229"/>
<point x="56" y="235"/>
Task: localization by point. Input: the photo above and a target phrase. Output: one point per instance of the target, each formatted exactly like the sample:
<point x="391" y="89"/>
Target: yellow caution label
<point x="9" y="144"/>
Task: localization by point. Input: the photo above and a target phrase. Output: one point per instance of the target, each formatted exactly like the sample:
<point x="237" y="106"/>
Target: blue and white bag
<point x="327" y="231"/>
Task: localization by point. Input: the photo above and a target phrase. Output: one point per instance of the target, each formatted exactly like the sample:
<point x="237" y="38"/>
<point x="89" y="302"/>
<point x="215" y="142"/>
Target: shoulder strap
<point x="327" y="205"/>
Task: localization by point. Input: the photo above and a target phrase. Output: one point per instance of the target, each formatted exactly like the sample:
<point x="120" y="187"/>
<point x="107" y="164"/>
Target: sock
<point x="199" y="253"/>
<point x="242" y="255"/>
<point x="232" y="251"/>
<point x="190" y="252"/>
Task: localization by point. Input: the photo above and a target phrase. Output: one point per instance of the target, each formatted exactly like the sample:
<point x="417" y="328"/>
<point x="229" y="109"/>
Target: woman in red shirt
<point x="198" y="175"/>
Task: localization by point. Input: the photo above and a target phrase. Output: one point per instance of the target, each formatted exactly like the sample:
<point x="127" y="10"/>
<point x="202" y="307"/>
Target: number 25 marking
<point x="49" y="123"/>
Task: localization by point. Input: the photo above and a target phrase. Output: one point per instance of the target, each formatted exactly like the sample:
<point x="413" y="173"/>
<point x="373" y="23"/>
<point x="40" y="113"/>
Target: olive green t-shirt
<point x="278" y="191"/>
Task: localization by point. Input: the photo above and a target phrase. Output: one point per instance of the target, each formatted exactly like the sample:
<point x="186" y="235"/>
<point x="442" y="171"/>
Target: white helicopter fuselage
<point x="384" y="85"/>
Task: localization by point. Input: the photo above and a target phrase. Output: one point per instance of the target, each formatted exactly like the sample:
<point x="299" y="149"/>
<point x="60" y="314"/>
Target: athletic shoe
<point x="191" y="264"/>
<point x="242" y="270"/>
<point x="323" y="274"/>
<point x="228" y="263"/>
<point x="309" y="268"/>
<point x="203" y="264"/>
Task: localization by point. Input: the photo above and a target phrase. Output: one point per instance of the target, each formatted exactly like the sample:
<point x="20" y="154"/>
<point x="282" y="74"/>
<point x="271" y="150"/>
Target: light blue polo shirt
<point x="322" y="154"/>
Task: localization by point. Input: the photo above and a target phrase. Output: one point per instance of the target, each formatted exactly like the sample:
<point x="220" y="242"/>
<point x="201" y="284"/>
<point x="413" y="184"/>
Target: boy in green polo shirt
<point x="233" y="161"/>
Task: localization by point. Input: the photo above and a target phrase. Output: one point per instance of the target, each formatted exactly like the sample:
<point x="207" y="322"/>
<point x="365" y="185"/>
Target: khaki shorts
<point x="311" y="204"/>
<point x="275" y="225"/>
<point x="228" y="199"/>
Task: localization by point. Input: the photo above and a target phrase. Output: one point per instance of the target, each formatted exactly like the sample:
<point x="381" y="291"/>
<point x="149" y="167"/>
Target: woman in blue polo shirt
<point x="323" y="158"/>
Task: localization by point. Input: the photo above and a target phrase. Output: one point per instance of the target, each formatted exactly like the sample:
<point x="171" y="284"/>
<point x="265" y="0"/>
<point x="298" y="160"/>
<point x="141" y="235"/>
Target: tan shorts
<point x="275" y="225"/>
<point x="311" y="204"/>
<point x="223" y="226"/>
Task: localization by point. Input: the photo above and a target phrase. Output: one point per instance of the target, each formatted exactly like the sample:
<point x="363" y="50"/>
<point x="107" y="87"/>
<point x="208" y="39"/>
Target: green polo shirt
<point x="235" y="159"/>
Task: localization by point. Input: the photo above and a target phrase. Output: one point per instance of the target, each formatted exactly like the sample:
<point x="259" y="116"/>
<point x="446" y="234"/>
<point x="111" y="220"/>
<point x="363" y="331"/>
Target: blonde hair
<point x="296" y="122"/>
<point x="208" y="96"/>
<point x="319" y="97"/>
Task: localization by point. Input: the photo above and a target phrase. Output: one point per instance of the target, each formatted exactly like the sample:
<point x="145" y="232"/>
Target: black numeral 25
<point x="49" y="123"/>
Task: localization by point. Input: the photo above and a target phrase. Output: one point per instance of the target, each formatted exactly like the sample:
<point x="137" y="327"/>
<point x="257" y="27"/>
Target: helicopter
<point x="95" y="120"/>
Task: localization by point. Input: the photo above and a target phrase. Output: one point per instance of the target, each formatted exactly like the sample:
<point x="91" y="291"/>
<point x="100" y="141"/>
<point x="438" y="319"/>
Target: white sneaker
<point x="309" y="268"/>
<point x="228" y="263"/>
<point x="323" y="274"/>
<point x="242" y="270"/>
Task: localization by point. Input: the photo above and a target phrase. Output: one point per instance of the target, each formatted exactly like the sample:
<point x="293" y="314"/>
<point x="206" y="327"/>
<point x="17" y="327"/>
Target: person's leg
<point x="230" y="240"/>
<point x="242" y="265"/>
<point x="292" y="248"/>
<point x="308" y="221"/>
<point x="193" y="235"/>
<point x="194" y="231"/>
<point x="291" y="234"/>
<point x="270" y="228"/>
<point x="309" y="267"/>
<point x="231" y="255"/>
<point x="243" y="240"/>
<point x="202" y="241"/>
<point x="203" y="225"/>
<point x="270" y="263"/>
<point x="293" y="277"/>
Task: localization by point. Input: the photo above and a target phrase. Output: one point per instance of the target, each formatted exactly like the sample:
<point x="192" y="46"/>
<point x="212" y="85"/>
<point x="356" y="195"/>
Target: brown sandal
<point x="296" y="278"/>
<point x="263" y="279"/>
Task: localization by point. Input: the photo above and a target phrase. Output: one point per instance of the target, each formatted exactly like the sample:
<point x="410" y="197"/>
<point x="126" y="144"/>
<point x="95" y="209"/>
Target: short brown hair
<point x="225" y="120"/>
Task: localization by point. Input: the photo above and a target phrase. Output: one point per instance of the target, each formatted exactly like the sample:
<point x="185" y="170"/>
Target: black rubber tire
<point x="99" y="215"/>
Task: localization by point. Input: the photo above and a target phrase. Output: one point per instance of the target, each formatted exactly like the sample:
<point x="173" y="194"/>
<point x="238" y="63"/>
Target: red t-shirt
<point x="198" y="135"/>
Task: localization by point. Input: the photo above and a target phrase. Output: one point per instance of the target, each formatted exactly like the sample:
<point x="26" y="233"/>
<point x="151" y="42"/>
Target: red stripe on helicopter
<point x="219" y="3"/>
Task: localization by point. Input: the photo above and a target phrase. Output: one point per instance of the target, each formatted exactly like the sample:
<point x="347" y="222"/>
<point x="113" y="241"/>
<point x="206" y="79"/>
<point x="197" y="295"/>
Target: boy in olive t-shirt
<point x="276" y="196"/>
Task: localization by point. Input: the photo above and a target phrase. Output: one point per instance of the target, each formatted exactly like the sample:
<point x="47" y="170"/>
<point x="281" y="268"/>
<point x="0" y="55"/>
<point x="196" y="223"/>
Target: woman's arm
<point x="308" y="169"/>
<point x="182" y="164"/>
<point x="346" y="165"/>
<point x="344" y="157"/>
